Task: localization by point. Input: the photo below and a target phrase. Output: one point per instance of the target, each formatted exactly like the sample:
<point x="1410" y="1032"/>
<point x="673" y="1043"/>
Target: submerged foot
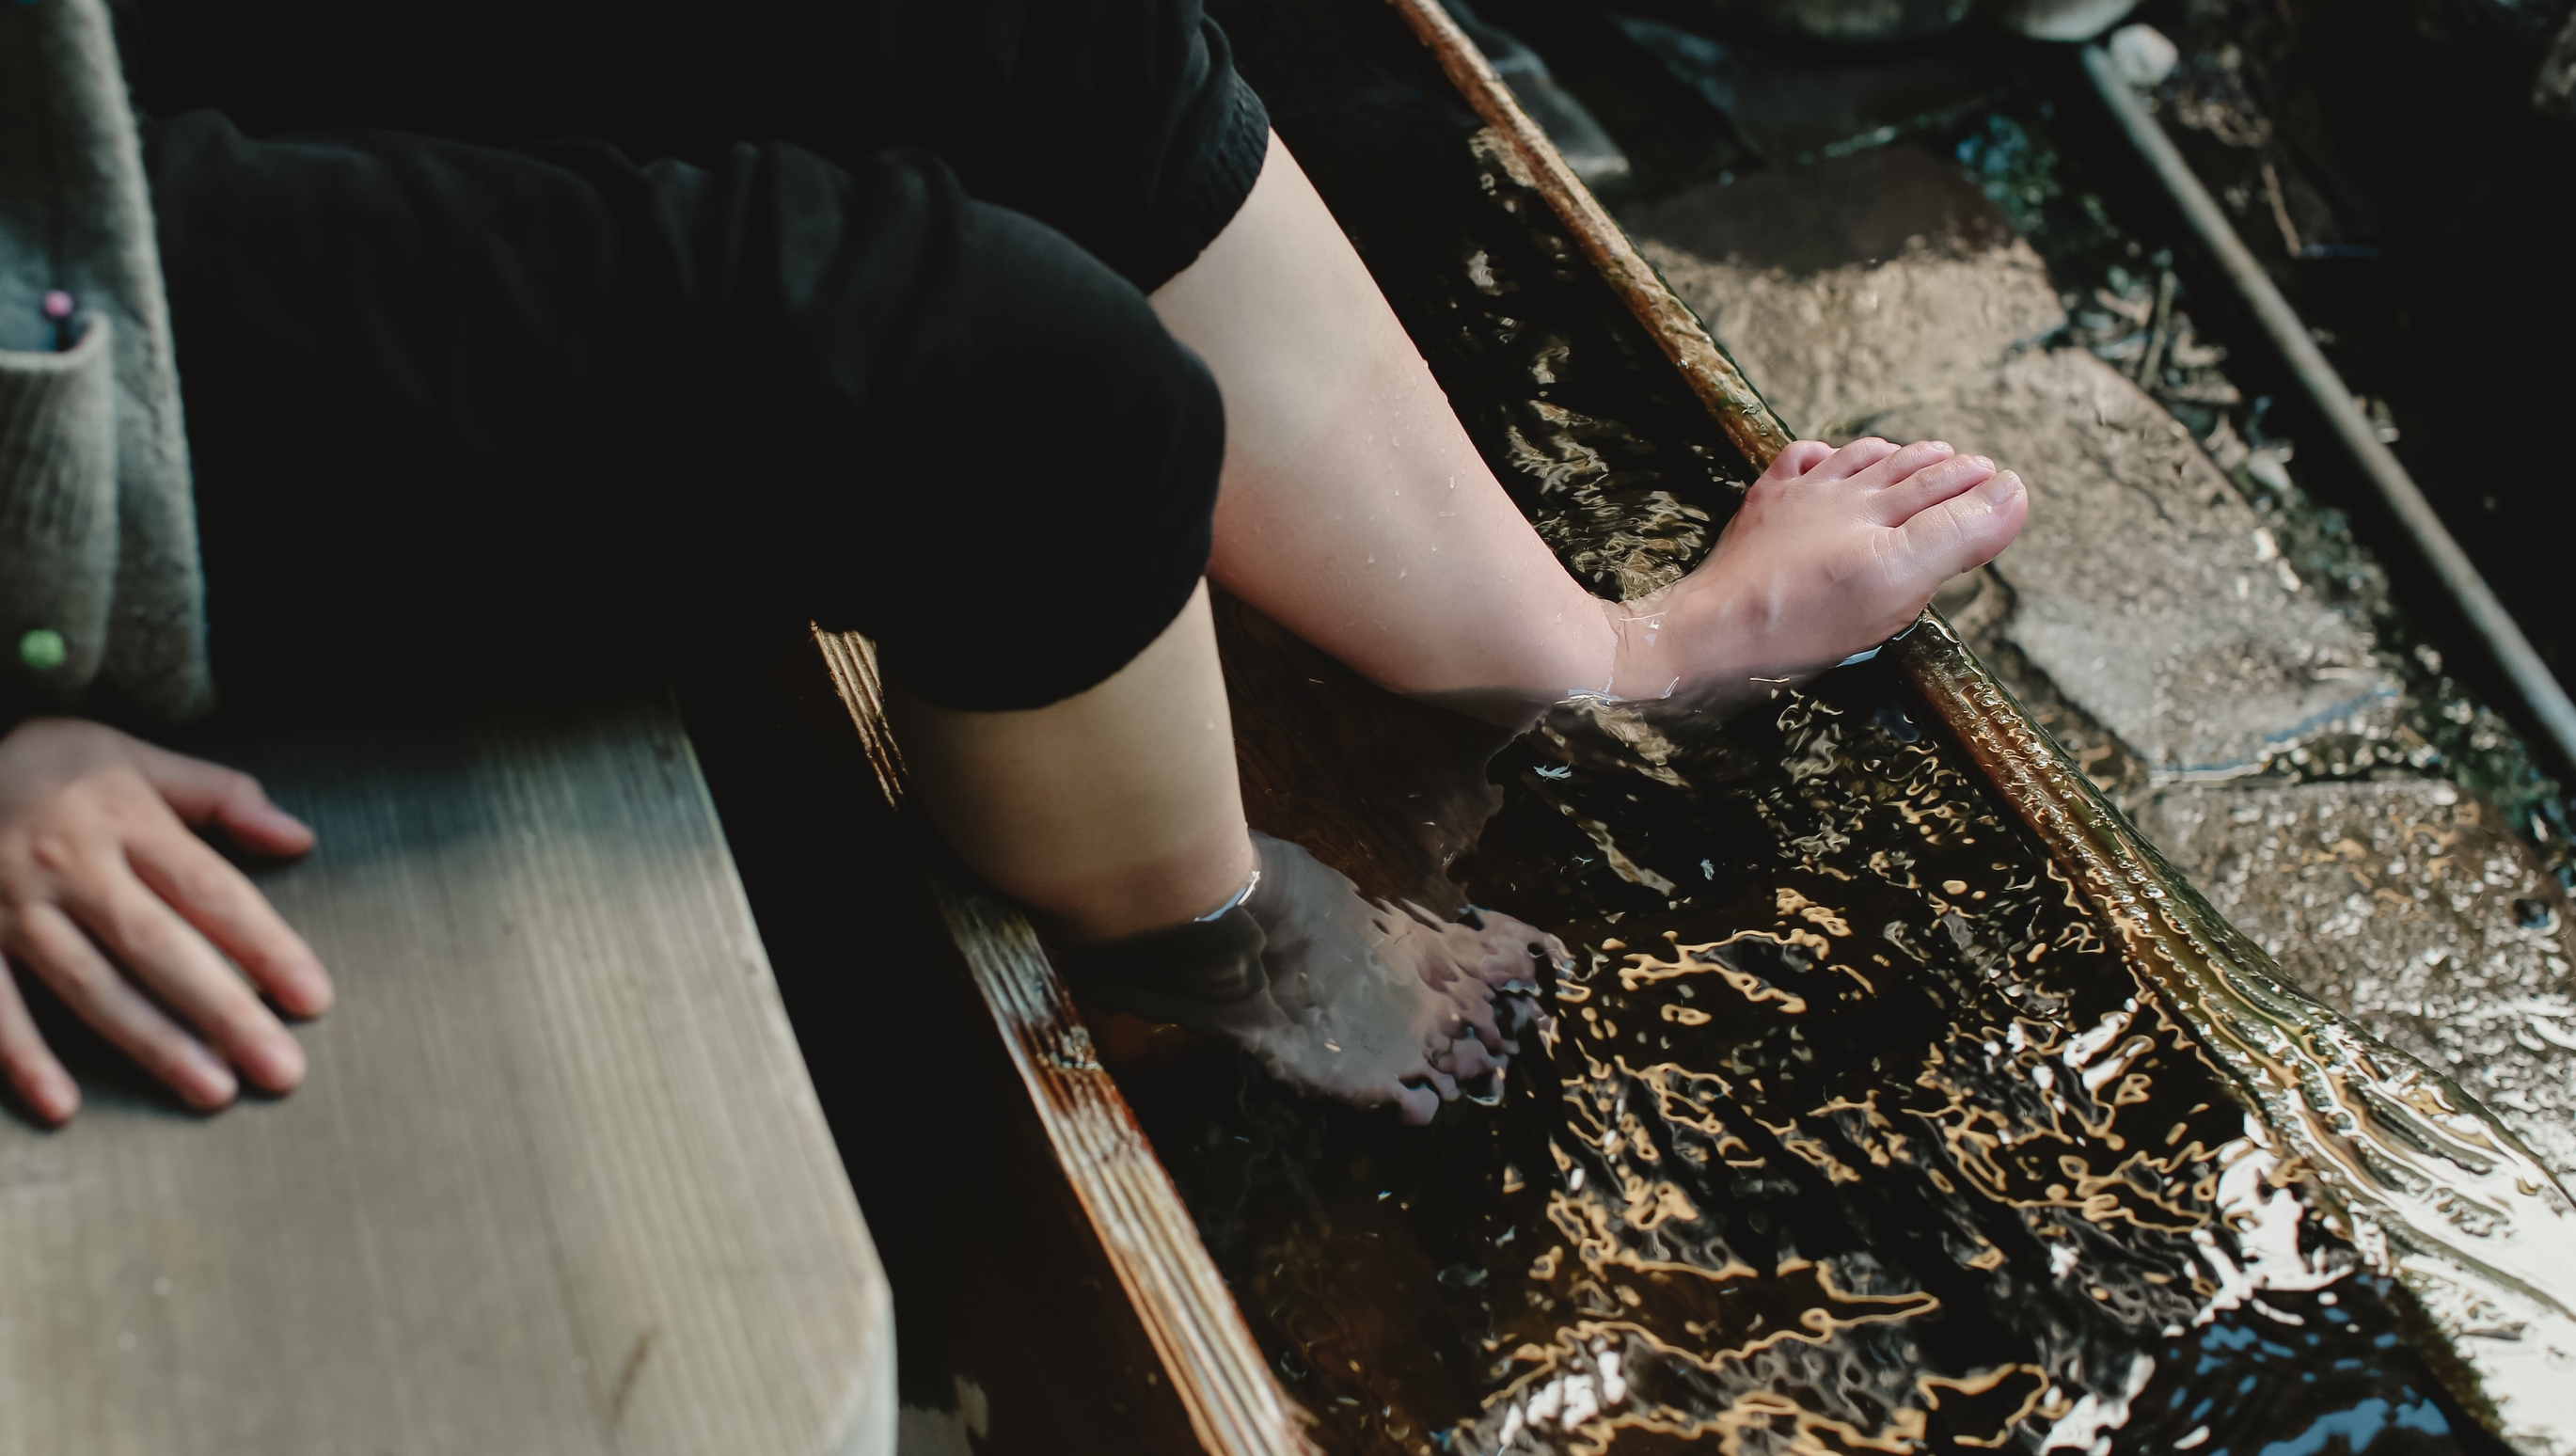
<point x="1833" y="552"/>
<point x="1335" y="993"/>
<point x="1376" y="1003"/>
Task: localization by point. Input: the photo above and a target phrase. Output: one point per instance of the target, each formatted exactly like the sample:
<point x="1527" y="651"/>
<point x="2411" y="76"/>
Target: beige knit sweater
<point x="101" y="596"/>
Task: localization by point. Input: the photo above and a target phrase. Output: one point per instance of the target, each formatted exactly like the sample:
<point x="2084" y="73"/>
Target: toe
<point x="1903" y="463"/>
<point x="1862" y="454"/>
<point x="1799" y="457"/>
<point x="1962" y="533"/>
<point x="1500" y="961"/>
<point x="1505" y="952"/>
<point x="1933" y="483"/>
<point x="1474" y="1018"/>
<point x="1468" y="1059"/>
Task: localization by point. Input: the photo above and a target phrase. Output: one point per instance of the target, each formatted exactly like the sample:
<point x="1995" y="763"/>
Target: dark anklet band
<point x="1201" y="964"/>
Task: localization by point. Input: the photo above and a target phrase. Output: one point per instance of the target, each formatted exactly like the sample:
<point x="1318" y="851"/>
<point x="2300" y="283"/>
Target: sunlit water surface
<point x="1850" y="1130"/>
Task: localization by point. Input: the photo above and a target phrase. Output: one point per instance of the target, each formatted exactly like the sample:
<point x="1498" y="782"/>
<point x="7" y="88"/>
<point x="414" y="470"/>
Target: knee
<point x="1091" y="378"/>
<point x="1055" y="514"/>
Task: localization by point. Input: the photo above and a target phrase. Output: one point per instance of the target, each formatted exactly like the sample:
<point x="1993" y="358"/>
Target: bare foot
<point x="1375" y="1003"/>
<point x="1833" y="552"/>
<point x="1335" y="993"/>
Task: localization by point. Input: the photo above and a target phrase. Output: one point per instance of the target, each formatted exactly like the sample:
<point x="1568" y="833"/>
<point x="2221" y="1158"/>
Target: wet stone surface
<point x="1877" y="285"/>
<point x="2410" y="907"/>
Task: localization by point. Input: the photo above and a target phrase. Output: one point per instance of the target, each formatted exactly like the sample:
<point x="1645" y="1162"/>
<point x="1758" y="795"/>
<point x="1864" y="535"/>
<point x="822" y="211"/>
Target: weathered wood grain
<point x="1215" y="1373"/>
<point x="557" y="1181"/>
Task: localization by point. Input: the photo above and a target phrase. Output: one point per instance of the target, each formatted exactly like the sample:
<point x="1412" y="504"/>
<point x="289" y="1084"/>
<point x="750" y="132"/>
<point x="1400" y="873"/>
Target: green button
<point x="43" y="649"/>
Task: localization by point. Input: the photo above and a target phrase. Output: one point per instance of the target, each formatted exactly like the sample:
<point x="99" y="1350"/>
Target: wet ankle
<point x="1180" y="973"/>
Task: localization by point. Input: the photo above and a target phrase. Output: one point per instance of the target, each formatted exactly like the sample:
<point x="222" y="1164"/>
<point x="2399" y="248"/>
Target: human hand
<point x="108" y="897"/>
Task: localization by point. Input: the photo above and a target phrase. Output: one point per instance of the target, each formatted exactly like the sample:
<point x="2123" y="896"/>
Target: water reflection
<point x="1851" y="1131"/>
<point x="1869" y="1139"/>
<point x="1854" y="1128"/>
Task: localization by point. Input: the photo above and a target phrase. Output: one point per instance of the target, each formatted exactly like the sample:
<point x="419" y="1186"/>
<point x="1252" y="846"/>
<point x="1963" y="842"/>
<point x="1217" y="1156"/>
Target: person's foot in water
<point x="1367" y="1002"/>
<point x="1833" y="552"/>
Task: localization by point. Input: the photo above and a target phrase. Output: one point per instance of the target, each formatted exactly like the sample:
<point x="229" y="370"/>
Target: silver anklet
<point x="1235" y="900"/>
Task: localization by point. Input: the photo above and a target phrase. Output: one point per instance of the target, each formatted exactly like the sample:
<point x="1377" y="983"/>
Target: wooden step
<point x="557" y="1181"/>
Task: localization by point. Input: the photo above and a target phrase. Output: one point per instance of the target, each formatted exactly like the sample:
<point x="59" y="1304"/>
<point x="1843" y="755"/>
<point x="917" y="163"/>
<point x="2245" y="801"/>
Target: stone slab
<point x="2411" y="907"/>
<point x="1833" y="348"/>
<point x="2145" y="586"/>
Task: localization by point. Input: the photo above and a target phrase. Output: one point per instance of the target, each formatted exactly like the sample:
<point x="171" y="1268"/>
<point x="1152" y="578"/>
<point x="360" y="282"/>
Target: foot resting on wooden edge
<point x="1833" y="552"/>
<point x="1368" y="1002"/>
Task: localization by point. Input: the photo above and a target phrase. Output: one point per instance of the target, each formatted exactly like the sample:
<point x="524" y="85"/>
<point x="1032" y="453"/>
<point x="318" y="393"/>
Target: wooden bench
<point x="557" y="1182"/>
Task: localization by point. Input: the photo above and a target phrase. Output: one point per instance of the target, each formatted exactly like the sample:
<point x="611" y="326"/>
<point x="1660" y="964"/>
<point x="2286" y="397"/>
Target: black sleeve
<point x="1120" y="123"/>
<point x="448" y="400"/>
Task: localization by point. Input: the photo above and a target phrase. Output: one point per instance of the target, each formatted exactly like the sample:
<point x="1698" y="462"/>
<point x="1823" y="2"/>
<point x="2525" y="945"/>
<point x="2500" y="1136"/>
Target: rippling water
<point x="1852" y="1129"/>
<point x="1851" y="1132"/>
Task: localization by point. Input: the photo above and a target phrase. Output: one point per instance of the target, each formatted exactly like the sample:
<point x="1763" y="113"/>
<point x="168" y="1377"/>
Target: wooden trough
<point x="564" y="1180"/>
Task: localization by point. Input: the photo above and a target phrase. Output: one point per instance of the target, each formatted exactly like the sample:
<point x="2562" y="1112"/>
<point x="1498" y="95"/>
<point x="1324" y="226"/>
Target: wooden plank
<point x="557" y="1182"/>
<point x="1215" y="1371"/>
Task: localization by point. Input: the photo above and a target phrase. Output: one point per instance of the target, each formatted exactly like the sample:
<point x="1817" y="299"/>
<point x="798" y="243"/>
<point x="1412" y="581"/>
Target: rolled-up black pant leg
<point x="463" y="414"/>
<point x="1118" y="122"/>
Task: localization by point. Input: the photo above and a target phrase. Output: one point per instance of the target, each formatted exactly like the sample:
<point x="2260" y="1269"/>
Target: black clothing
<point x="453" y="401"/>
<point x="1120" y="123"/>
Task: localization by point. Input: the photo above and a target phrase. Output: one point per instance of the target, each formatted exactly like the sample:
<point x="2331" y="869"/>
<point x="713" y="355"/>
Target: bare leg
<point x="1112" y="812"/>
<point x="1354" y="509"/>
<point x="1357" y="513"/>
<point x="1117" y="812"/>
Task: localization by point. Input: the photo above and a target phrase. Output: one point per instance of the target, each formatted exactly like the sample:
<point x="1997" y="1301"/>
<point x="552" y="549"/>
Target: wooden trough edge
<point x="2430" y="1186"/>
<point x="1216" y="1370"/>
